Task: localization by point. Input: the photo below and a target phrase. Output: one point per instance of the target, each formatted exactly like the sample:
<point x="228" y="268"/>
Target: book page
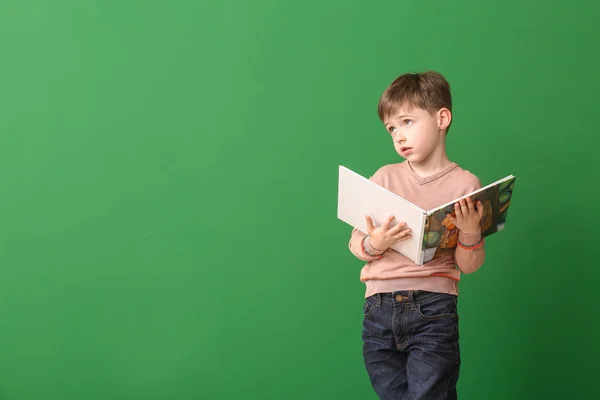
<point x="441" y="235"/>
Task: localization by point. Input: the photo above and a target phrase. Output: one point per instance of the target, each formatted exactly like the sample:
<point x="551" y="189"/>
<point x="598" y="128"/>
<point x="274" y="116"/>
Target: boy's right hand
<point x="384" y="237"/>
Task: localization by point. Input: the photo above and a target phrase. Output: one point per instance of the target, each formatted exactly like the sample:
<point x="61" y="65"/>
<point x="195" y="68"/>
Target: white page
<point x="359" y="197"/>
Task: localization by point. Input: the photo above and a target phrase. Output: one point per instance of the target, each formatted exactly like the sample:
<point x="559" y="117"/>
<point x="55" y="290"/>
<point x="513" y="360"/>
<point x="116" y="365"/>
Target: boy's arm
<point x="362" y="248"/>
<point x="470" y="252"/>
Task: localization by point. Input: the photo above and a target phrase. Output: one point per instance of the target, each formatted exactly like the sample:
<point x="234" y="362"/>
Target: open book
<point x="433" y="235"/>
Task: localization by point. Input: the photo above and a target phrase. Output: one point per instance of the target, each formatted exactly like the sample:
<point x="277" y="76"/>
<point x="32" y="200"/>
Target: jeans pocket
<point x="369" y="304"/>
<point x="442" y="307"/>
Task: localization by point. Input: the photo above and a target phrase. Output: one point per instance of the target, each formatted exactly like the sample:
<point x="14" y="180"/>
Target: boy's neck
<point x="436" y="162"/>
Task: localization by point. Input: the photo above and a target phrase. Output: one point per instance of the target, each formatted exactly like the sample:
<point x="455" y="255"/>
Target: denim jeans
<point x="410" y="345"/>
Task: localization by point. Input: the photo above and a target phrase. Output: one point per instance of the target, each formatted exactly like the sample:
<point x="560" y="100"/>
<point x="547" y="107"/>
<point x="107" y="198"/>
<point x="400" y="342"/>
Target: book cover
<point x="441" y="236"/>
<point x="359" y="197"/>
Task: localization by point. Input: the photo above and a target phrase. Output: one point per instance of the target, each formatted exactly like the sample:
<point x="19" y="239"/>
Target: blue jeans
<point x="410" y="345"/>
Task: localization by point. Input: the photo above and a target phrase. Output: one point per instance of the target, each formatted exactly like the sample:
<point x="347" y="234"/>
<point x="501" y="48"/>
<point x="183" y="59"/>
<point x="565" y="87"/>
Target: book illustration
<point x="441" y="235"/>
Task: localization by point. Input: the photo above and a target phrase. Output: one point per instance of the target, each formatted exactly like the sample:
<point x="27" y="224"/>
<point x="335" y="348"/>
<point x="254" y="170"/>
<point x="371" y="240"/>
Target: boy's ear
<point x="444" y="118"/>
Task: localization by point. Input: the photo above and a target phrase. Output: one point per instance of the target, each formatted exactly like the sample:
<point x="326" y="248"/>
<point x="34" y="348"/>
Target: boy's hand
<point x="384" y="237"/>
<point x="468" y="217"/>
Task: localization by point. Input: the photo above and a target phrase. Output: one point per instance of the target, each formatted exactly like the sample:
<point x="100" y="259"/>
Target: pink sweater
<point x="393" y="271"/>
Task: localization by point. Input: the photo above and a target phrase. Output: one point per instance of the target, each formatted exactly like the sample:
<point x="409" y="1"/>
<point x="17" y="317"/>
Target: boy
<point x="410" y="326"/>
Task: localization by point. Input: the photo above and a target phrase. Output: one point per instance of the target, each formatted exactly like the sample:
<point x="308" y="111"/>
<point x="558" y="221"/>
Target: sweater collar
<point x="421" y="180"/>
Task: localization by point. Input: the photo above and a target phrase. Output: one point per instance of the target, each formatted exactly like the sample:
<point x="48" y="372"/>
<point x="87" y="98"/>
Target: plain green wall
<point x="168" y="192"/>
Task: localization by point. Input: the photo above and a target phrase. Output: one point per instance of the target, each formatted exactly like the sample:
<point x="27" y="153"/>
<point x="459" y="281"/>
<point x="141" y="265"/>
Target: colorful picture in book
<point x="441" y="235"/>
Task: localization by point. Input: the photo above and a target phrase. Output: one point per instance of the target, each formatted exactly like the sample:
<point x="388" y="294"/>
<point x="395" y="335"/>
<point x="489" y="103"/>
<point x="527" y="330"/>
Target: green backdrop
<point x="168" y="192"/>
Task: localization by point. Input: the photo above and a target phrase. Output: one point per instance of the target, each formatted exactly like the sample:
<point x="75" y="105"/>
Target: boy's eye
<point x="392" y="129"/>
<point x="408" y="122"/>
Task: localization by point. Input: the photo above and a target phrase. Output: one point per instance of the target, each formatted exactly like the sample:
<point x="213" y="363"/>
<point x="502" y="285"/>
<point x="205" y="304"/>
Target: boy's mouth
<point x="405" y="149"/>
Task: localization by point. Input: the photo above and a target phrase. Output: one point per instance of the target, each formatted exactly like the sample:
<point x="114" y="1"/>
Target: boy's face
<point x="416" y="133"/>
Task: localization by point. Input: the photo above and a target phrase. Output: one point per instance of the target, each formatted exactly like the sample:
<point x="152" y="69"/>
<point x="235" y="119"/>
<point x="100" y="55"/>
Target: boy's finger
<point x="470" y="205"/>
<point x="403" y="235"/>
<point x="458" y="211"/>
<point x="387" y="223"/>
<point x="370" y="226"/>
<point x="398" y="227"/>
<point x="402" y="232"/>
<point x="463" y="207"/>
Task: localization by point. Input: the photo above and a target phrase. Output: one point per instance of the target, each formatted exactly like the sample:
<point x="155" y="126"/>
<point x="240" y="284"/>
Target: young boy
<point x="410" y="326"/>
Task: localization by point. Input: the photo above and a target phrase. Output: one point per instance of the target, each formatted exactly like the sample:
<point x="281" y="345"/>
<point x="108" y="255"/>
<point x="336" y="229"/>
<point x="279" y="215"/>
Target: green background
<point x="168" y="192"/>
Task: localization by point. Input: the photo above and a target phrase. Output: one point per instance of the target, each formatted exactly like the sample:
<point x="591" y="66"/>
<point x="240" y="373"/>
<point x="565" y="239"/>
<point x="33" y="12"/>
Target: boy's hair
<point x="429" y="91"/>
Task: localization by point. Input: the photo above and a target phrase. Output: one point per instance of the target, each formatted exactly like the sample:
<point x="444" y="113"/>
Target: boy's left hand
<point x="468" y="217"/>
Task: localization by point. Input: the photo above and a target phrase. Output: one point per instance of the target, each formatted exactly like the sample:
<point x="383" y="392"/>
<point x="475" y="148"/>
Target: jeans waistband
<point x="408" y="297"/>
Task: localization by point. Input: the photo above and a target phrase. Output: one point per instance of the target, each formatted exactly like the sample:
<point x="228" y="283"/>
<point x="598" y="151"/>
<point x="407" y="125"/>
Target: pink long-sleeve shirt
<point x="393" y="271"/>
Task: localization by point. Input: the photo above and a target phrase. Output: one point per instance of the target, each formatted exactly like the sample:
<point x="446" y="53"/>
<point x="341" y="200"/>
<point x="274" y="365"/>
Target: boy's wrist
<point x="370" y="248"/>
<point x="376" y="247"/>
<point x="469" y="238"/>
<point x="471" y="230"/>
